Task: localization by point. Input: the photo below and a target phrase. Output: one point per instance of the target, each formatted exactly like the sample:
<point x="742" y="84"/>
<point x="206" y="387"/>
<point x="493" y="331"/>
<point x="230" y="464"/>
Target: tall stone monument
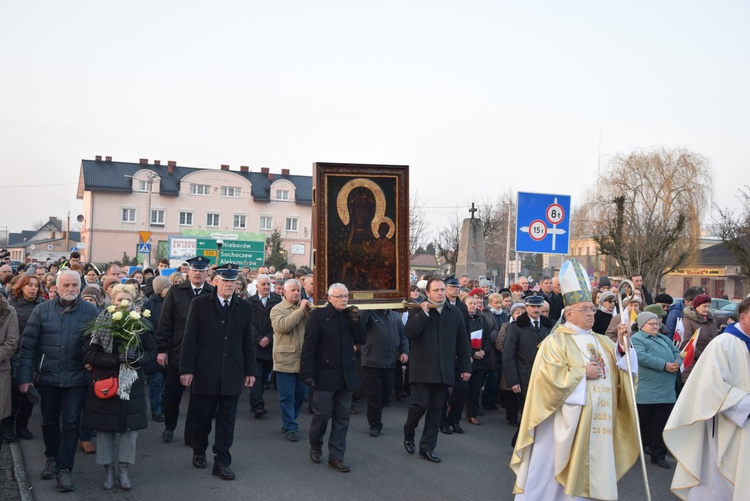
<point x="471" y="248"/>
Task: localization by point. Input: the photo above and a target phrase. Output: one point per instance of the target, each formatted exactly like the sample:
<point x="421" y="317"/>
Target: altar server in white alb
<point x="577" y="436"/>
<point x="708" y="431"/>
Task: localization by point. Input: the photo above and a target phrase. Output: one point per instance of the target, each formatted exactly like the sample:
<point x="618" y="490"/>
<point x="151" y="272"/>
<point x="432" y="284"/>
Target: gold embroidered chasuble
<point x="595" y="443"/>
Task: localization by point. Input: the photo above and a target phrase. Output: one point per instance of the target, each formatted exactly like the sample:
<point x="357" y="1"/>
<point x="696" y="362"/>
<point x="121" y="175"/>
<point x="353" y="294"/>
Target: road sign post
<point x="543" y="223"/>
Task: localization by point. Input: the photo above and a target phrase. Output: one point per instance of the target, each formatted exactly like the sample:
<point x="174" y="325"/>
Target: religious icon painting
<point x="596" y="357"/>
<point x="361" y="231"/>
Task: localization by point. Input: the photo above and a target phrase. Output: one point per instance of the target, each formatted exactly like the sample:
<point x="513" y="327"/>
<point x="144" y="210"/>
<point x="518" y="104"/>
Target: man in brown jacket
<point x="288" y="320"/>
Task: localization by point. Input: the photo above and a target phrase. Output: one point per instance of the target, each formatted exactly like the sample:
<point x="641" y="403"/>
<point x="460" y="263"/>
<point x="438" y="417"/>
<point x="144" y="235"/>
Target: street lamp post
<point x="150" y="176"/>
<point x="219" y="243"/>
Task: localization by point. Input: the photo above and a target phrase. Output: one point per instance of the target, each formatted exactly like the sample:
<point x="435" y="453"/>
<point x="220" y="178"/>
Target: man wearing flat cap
<point x="217" y="359"/>
<point x="578" y="406"/>
<point x="169" y="342"/>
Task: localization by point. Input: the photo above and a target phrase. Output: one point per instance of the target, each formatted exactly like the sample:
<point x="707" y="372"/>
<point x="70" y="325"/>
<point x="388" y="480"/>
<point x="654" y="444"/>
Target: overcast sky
<point x="475" y="96"/>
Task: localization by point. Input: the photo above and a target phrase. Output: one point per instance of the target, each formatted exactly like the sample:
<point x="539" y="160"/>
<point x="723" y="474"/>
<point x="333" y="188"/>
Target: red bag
<point x="106" y="387"/>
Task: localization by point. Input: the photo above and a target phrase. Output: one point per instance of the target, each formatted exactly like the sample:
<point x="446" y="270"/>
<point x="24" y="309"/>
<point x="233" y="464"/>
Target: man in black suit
<point x="218" y="356"/>
<point x="169" y="342"/>
<point x="329" y="365"/>
<point x="262" y="302"/>
<point x="439" y="344"/>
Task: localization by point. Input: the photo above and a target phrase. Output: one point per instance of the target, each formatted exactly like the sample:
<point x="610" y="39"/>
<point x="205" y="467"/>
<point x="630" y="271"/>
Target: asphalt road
<point x="474" y="467"/>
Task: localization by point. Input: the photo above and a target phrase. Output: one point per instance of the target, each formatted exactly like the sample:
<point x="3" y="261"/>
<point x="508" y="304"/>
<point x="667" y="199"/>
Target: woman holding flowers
<point x="120" y="343"/>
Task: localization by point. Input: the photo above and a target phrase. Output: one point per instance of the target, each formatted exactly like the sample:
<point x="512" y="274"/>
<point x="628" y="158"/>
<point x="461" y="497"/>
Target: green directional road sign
<point x="241" y="253"/>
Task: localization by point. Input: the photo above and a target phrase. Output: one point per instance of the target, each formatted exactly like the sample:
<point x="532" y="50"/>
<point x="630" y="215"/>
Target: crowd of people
<point x="100" y="351"/>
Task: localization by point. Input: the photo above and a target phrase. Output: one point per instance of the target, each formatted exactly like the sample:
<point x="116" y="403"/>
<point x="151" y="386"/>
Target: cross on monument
<point x="472" y="210"/>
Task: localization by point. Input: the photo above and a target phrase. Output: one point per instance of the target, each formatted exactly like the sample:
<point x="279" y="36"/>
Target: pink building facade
<point x="123" y="199"/>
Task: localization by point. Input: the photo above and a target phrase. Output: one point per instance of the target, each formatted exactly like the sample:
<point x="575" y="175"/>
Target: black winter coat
<point x="385" y="339"/>
<point x="53" y="338"/>
<point x="328" y="350"/>
<point x="262" y="323"/>
<point x="173" y="317"/>
<point x="438" y="343"/>
<point x="23" y="311"/>
<point x="218" y="353"/>
<point x="154" y="304"/>
<point x="476" y="323"/>
<point x="519" y="350"/>
<point x="113" y="414"/>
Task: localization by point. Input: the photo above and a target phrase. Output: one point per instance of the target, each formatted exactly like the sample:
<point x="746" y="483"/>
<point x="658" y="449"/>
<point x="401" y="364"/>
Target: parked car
<point x="722" y="314"/>
<point x="14" y="265"/>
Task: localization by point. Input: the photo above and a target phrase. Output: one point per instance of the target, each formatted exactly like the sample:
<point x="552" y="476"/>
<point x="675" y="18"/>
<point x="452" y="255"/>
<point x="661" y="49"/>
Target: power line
<point x="36" y="185"/>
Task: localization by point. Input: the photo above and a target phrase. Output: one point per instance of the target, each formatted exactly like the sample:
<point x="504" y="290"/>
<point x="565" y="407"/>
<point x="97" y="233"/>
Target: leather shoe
<point x="457" y="428"/>
<point x="374" y="432"/>
<point x="259" y="413"/>
<point x="662" y="463"/>
<point x="339" y="465"/>
<point x="24" y="433"/>
<point x="513" y="423"/>
<point x="158" y="417"/>
<point x="316" y="456"/>
<point x="429" y="456"/>
<point x="167" y="436"/>
<point x="446" y="429"/>
<point x="223" y="471"/>
<point x="647" y="451"/>
<point x="410" y="446"/>
<point x="199" y="461"/>
<point x="473" y="420"/>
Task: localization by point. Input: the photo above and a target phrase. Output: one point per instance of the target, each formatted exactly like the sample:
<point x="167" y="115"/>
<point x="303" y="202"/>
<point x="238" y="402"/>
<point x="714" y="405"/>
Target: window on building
<point x="212" y="220"/>
<point x="186" y="219"/>
<point x="157" y="216"/>
<point x="240" y="222"/>
<point x="292" y="224"/>
<point x="282" y="194"/>
<point x="141" y="185"/>
<point x="231" y="191"/>
<point x="128" y="215"/>
<point x="266" y="222"/>
<point x="200" y="189"/>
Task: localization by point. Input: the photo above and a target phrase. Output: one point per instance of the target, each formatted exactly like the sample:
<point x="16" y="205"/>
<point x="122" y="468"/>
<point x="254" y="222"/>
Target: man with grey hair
<point x="328" y="365"/>
<point x="5" y="272"/>
<point x="53" y="348"/>
<point x="288" y="319"/>
<point x="262" y="302"/>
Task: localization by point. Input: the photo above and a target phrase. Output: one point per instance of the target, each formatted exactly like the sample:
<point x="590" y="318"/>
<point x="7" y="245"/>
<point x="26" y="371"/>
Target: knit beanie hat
<point x="160" y="283"/>
<point x="644" y="317"/>
<point x="701" y="299"/>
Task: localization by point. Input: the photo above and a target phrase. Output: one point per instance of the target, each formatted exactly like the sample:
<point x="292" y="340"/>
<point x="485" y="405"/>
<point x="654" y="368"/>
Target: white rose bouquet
<point x="119" y="322"/>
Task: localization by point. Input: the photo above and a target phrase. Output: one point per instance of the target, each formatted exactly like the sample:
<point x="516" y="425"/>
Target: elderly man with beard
<point x="53" y="347"/>
<point x="437" y="333"/>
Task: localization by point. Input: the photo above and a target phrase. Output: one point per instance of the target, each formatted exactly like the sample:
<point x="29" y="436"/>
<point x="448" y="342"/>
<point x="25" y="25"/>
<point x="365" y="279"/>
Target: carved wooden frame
<point x="327" y="224"/>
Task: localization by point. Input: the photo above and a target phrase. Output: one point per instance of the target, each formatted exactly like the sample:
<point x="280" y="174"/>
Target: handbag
<point x="106" y="387"/>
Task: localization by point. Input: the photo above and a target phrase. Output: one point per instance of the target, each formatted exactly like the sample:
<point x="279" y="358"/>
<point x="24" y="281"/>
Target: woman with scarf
<point x="118" y="419"/>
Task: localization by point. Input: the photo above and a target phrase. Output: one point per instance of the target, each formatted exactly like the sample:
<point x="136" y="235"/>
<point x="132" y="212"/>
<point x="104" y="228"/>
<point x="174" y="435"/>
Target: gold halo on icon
<point x="380" y="217"/>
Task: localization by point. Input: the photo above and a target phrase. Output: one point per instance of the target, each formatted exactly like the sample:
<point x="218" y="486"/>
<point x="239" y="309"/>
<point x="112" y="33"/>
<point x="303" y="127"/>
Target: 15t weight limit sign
<point x="542" y="223"/>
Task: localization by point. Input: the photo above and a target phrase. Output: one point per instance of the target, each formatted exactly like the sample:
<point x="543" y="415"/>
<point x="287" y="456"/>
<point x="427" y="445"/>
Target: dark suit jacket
<point x="262" y="323"/>
<point x="328" y="349"/>
<point x="438" y="343"/>
<point x="218" y="353"/>
<point x="173" y="317"/>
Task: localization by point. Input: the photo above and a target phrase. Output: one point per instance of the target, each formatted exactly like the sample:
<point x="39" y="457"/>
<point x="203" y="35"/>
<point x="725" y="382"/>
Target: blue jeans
<point x="61" y="420"/>
<point x="291" y="395"/>
<point x="155" y="388"/>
